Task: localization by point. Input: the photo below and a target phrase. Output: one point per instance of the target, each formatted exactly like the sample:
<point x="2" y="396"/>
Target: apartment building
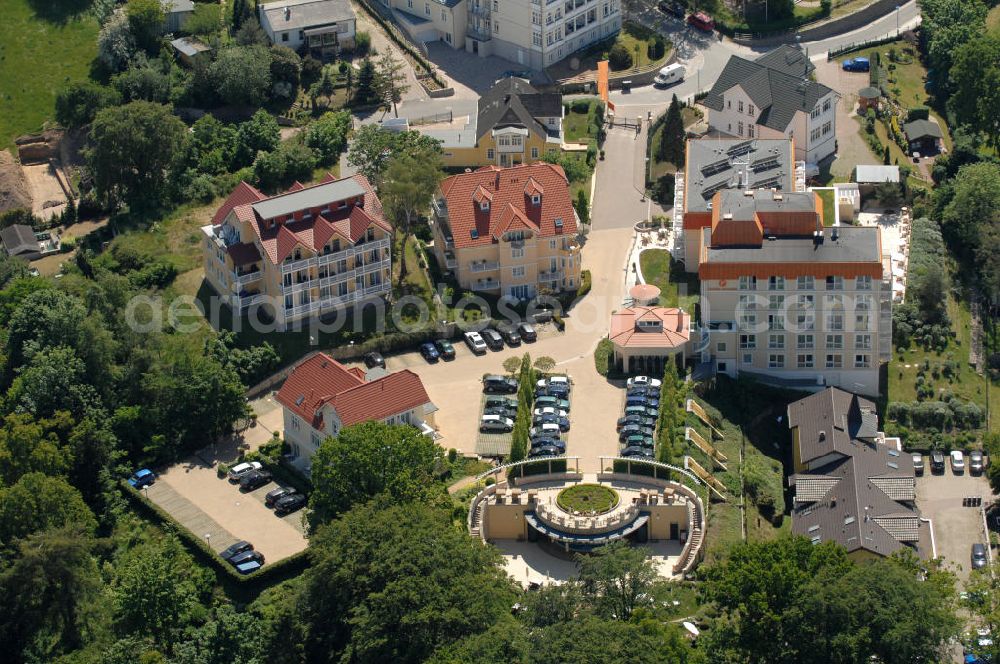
<point x="515" y="124"/>
<point x="508" y="231"/>
<point x="773" y="97"/>
<point x="538" y="33"/>
<point x="852" y="485"/>
<point x="307" y="252"/>
<point x="321" y="26"/>
<point x="321" y="396"/>
<point x="432" y="20"/>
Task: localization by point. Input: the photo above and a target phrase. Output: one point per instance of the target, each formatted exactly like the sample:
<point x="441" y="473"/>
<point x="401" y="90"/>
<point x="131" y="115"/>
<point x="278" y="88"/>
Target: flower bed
<point x="588" y="499"/>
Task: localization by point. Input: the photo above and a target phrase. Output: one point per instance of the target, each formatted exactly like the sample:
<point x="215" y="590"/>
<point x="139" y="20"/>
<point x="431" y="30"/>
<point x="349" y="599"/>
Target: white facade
<point x="316" y="24"/>
<point x="537" y="33"/>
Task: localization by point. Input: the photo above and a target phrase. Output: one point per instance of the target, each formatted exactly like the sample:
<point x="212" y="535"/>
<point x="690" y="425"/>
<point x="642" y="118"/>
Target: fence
<point x="854" y="46"/>
<point x="432" y="119"/>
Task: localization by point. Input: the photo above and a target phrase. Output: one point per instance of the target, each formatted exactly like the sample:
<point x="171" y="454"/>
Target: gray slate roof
<point x="862" y="496"/>
<point x="788" y="59"/>
<point x="776" y="82"/>
<point x="921" y="129"/>
<point x="853" y="245"/>
<point x="189" y="46"/>
<point x="304" y="14"/>
<point x="512" y="102"/>
<point x="19" y="239"/>
<point x="310" y="197"/>
<point x="715" y="164"/>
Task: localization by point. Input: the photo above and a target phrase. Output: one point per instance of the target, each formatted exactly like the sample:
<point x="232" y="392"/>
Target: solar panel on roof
<point x="765" y="164"/>
<point x="715" y="167"/>
<point x="709" y="191"/>
<point x="741" y="148"/>
<point x="767" y="183"/>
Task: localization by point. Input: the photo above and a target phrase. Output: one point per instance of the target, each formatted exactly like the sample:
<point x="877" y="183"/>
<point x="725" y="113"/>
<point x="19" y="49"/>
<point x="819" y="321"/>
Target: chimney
<point x="834" y="234"/>
<point x="822" y="436"/>
<point x="817" y="237"/>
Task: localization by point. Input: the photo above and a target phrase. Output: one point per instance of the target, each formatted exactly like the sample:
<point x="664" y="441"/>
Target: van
<point x="670" y="75"/>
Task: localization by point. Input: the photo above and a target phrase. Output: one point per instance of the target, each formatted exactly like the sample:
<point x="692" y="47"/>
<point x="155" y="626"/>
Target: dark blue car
<point x="856" y="64"/>
<point x="142" y="478"/>
<point x="429" y="351"/>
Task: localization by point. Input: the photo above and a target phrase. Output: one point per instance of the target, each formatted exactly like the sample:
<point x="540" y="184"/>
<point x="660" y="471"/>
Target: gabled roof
<point x="921" y="129"/>
<point x="512" y="102"/>
<point x="510" y="205"/>
<point x="19" y="239"/>
<point x="244" y="194"/>
<point x="321" y="380"/>
<point x="778" y="84"/>
<point x="828" y="421"/>
<point x="788" y="59"/>
<point x="306" y="14"/>
<point x="673" y="332"/>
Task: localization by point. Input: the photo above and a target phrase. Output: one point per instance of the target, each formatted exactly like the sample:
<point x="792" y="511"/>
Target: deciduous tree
<point x="37" y="502"/>
<point x="406" y="191"/>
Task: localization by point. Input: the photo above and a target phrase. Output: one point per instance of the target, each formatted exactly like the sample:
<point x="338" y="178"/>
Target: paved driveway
<point x="469" y="74"/>
<point x="851" y="147"/>
<point x="956" y="528"/>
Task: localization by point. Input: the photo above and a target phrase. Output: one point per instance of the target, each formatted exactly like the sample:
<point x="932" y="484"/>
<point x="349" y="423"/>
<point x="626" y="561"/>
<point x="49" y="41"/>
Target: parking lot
<point x="956" y="528"/>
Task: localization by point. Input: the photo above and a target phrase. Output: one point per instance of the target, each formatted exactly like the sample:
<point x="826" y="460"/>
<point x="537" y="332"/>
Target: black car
<point x="499" y="385"/>
<point x="254" y="480"/>
<point x="502" y="411"/>
<point x="274" y="495"/>
<point x="527" y="332"/>
<point x="492" y="338"/>
<point x="235" y="550"/>
<point x="445" y="349"/>
<point x="289" y="504"/>
<point x="547" y="441"/>
<point x="636" y="452"/>
<point x="553" y="419"/>
<point x="245" y="557"/>
<point x="503" y="402"/>
<point x="510" y="335"/>
<point x="544" y="450"/>
<point x="559" y="390"/>
<point x="648" y="402"/>
<point x="633" y="430"/>
<point x="675" y="9"/>
<point x="430" y="352"/>
<point x="640" y="420"/>
<point x="641" y="391"/>
<point x="937" y="461"/>
<point x="373" y="360"/>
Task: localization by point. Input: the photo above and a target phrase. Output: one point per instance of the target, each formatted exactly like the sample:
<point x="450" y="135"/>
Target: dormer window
<point x="485" y="206"/>
<point x="536" y="199"/>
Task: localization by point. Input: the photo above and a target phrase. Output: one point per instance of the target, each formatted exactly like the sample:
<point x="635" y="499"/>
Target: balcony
<point x="336" y="277"/>
<point x="440" y="206"/>
<point x="450" y="261"/>
<point x="555" y="275"/>
<point x="517" y="244"/>
<point x="485" y="284"/>
<point x="484" y="266"/>
<point x="482" y="35"/>
<point x="243" y="302"/>
<point x="481" y="10"/>
<point x="326" y="259"/>
<point x="240" y="281"/>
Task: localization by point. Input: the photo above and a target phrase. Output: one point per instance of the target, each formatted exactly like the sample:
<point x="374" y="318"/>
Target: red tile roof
<point x="280" y="241"/>
<point x="509" y="190"/>
<point x="243" y="253"/>
<point x="322" y="380"/>
<point x="675" y="330"/>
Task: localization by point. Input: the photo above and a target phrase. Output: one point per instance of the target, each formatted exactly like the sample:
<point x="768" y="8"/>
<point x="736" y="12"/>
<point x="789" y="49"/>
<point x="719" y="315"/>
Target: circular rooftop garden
<point x="587" y="499"/>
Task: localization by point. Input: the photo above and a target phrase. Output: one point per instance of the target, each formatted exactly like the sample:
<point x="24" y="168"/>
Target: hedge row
<point x="391" y="30"/>
<point x="269" y="574"/>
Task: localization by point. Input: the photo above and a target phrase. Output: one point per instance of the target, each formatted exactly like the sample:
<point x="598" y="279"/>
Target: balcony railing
<point x="240" y="281"/>
<point x="450" y="261"/>
<point x="241" y="303"/>
<point x="330" y="279"/>
<point x="484" y="266"/>
<point x="486" y="284"/>
<point x="482" y="10"/>
<point x="550" y="276"/>
<point x="338" y="301"/>
<point x="479" y="35"/>
<point x="517" y="244"/>
<point x="326" y="259"/>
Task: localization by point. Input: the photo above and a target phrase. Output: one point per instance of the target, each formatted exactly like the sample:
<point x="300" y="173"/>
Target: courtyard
<point x="955" y="528"/>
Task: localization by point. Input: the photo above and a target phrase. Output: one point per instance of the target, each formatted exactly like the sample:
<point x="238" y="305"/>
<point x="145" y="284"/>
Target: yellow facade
<point x="487" y="153"/>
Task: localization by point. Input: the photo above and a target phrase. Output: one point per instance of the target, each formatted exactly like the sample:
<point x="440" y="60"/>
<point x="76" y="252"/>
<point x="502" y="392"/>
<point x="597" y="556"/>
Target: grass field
<point x="38" y="56"/>
<point x="827" y="196"/>
<point x="578" y="127"/>
<point x="677" y="287"/>
<point x="993" y="19"/>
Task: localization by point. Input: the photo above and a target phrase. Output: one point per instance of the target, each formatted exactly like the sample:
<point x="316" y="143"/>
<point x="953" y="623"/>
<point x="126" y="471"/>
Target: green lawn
<point x="677" y="287"/>
<point x="636" y="39"/>
<point x="827" y="196"/>
<point x="993" y="19"/>
<point x="690" y="115"/>
<point x="38" y="56"/>
<point x="578" y="127"/>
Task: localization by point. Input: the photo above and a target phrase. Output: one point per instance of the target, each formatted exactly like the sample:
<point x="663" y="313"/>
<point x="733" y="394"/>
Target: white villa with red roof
<point x="508" y="231"/>
<point x="305" y="252"/>
<point x="645" y="336"/>
<point x="321" y="396"/>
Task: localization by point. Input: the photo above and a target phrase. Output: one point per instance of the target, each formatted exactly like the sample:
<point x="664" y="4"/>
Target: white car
<point x="241" y="469"/>
<point x="549" y="410"/>
<point x="549" y="430"/>
<point x="643" y="381"/>
<point x="553" y="380"/>
<point x="957" y="462"/>
<point x="475" y="342"/>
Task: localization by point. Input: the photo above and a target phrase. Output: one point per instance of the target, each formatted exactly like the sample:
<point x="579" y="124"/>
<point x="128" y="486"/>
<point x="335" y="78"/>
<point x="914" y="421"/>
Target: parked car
<point x="701" y="21"/>
<point x="561" y="422"/>
<point x="675" y="9"/>
<point x="289" y="504"/>
<point x="549" y="441"/>
<point x="670" y="75"/>
<point x="648" y="402"/>
<point x="633" y="430"/>
<point x="976" y="462"/>
<point x="241" y="469"/>
<point x="494" y="384"/>
<point x="544" y="450"/>
<point x="640" y="420"/>
<point x="142" y="478"/>
<point x="554" y="402"/>
<point x="245" y="557"/>
<point x="510" y="335"/>
<point x="856" y="64"/>
<point x="547" y="429"/>
<point x="516" y="73"/>
<point x="235" y="550"/>
<point x="527" y="332"/>
<point x="978" y="556"/>
<point x="918" y="463"/>
<point x="641" y="410"/>
<point x="475" y="343"/>
<point x="254" y="480"/>
<point x="638" y="440"/>
<point x="373" y="360"/>
<point x="557" y="390"/>
<point x="445" y="349"/>
<point x="957" y="462"/>
<point x="492" y="338"/>
<point x="249" y="567"/>
<point x="636" y="451"/>
<point x="937" y="461"/>
<point x="549" y="410"/>
<point x="502" y="411"/>
<point x="430" y="352"/>
<point x="558" y="382"/>
<point x="644" y="381"/>
<point x="499" y="401"/>
<point x="641" y="391"/>
<point x="496" y="424"/>
<point x="274" y="495"/>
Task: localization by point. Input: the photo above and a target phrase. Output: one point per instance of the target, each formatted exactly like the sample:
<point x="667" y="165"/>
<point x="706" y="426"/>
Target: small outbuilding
<point x="189" y="49"/>
<point x="923" y="136"/>
<point x="646" y="337"/>
<point x="868" y="98"/>
<point x="19" y="240"/>
<point x="176" y="14"/>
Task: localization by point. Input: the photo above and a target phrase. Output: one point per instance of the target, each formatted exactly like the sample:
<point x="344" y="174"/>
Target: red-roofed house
<point x="321" y="396"/>
<point x="508" y="231"/>
<point x="302" y="253"/>
<point x="646" y="336"/>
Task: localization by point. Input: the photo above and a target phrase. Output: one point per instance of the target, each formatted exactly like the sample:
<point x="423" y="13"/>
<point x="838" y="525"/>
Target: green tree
<point x="544" y="364"/>
<point x="945" y="27"/>
<point x="214" y="145"/>
<point x="671" y="144"/>
<point x="328" y="135"/>
<point x="369" y="459"/>
<point x="615" y="576"/>
<point x="590" y="640"/>
<point x="512" y="365"/>
<point x="37" y="502"/>
<point x="242" y="75"/>
<point x="78" y="103"/>
<point x="49" y="592"/>
<point x="392" y="583"/>
<point x="390" y="79"/>
<point x="582" y="207"/>
<point x="205" y="21"/>
<point x="889" y="194"/>
<point x="131" y="149"/>
<point x="372" y="150"/>
<point x="971" y="216"/>
<point x="619" y="57"/>
<point x="250" y="33"/>
<point x="145" y="82"/>
<point x="54" y="379"/>
<point x="29" y="446"/>
<point x="286" y="67"/>
<point x="367" y="91"/>
<point x="406" y="191"/>
<point x="116" y="47"/>
<point x="230" y="636"/>
<point x="292" y="161"/>
<point x="146" y="19"/>
<point x="260" y="133"/>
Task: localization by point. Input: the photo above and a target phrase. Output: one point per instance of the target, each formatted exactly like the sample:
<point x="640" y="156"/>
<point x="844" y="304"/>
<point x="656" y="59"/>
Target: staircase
<point x="477" y="519"/>
<point x="693" y="549"/>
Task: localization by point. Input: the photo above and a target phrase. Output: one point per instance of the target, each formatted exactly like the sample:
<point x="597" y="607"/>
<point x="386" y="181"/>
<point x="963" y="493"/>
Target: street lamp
<point x="897" y="20"/>
<point x="208" y="538"/>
